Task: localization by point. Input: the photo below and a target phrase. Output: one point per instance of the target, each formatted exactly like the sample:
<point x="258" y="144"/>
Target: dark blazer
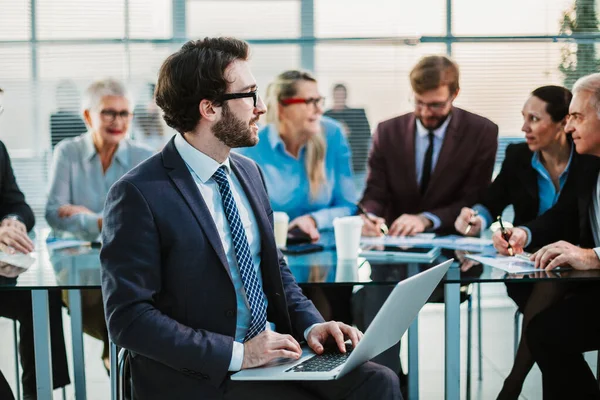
<point x="166" y="284"/>
<point x="462" y="172"/>
<point x="12" y="200"/>
<point x="517" y="184"/>
<point x="569" y="219"/>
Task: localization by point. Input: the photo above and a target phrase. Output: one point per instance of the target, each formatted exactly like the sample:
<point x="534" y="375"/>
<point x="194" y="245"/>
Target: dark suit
<point x="517" y="184"/>
<point x="167" y="289"/>
<point x="558" y="335"/>
<point x="462" y="172"/>
<point x="17" y="304"/>
<point x="569" y="219"/>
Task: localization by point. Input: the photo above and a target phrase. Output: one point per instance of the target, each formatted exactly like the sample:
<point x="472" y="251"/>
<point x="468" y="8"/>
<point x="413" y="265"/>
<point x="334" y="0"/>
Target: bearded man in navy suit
<point x="193" y="283"/>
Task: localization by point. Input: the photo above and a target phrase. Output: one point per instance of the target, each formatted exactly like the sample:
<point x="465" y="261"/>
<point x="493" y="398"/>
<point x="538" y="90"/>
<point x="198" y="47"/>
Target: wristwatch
<point x="14" y="217"/>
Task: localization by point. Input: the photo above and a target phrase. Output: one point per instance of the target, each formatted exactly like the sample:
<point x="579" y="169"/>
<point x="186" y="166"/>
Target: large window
<point x="505" y="49"/>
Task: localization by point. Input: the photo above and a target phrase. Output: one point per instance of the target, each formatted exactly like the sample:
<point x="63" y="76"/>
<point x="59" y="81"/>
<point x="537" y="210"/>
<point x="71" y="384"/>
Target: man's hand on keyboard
<point x="268" y="346"/>
<point x="339" y="332"/>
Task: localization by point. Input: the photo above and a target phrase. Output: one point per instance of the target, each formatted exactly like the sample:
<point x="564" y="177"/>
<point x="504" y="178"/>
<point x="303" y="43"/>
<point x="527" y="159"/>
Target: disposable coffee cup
<point x="347" y="232"/>
<point x="280" y="222"/>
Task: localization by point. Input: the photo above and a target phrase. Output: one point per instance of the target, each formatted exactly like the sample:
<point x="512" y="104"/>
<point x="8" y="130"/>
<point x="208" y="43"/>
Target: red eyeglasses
<point x="316" y="101"/>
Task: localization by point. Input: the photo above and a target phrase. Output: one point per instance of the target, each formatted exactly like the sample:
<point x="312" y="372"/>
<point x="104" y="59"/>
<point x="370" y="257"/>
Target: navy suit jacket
<point x="166" y="284"/>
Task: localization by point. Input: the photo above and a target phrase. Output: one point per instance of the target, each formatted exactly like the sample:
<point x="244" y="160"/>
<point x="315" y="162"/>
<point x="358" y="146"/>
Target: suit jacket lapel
<point x="450" y="148"/>
<point x="181" y="177"/>
<point x="408" y="146"/>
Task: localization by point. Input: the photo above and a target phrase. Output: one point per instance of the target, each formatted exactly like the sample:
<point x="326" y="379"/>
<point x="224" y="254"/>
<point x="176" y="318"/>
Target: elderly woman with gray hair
<point x="84" y="168"/>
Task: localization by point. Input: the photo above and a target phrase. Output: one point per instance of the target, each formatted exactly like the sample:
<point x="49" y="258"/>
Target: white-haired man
<point x="558" y="336"/>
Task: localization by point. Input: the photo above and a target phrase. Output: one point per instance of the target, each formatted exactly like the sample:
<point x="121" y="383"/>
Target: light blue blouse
<point x="287" y="181"/>
<point x="77" y="179"/>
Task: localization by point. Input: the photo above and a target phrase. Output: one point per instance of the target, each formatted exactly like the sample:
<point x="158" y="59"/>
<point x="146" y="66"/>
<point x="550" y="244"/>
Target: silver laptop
<point x="390" y="323"/>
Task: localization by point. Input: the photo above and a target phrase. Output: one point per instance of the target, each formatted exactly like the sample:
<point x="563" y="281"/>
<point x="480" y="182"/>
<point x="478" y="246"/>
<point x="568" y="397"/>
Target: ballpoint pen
<point x="383" y="227"/>
<point x="470" y="224"/>
<point x="505" y="236"/>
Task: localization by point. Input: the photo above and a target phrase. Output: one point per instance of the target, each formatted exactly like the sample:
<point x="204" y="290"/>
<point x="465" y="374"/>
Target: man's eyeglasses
<point x="316" y="101"/>
<point x="111" y="115"/>
<point x="433" y="106"/>
<point x="232" y="96"/>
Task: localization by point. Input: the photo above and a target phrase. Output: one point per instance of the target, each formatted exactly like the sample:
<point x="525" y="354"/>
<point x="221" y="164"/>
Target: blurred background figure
<point x="356" y="126"/>
<point x="66" y="122"/>
<point x="83" y="170"/>
<point x="148" y="125"/>
<point x="305" y="159"/>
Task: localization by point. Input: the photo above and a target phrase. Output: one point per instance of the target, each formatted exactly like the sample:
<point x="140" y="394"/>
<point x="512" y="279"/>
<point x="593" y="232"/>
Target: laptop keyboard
<point x="327" y="361"/>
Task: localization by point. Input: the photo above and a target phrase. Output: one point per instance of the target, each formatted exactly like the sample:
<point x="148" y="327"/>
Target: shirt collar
<point x="438" y="133"/>
<point x="274" y="138"/>
<point x="121" y="155"/>
<point x="202" y="165"/>
<point x="536" y="163"/>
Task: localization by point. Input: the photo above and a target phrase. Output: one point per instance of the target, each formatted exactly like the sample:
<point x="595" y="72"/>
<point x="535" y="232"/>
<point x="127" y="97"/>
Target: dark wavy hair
<point x="192" y="74"/>
<point x="557" y="99"/>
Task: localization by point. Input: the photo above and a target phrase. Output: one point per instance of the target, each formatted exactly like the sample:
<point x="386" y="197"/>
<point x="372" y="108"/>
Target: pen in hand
<point x="470" y="223"/>
<point x="505" y="236"/>
<point x="383" y="227"/>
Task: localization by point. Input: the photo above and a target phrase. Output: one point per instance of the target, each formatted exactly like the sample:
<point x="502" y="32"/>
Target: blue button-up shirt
<point x="287" y="181"/>
<point x="77" y="178"/>
<point x="547" y="193"/>
<point x="546" y="190"/>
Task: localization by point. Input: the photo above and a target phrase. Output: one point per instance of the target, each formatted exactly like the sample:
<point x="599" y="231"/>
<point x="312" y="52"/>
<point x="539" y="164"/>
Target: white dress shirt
<point x="202" y="168"/>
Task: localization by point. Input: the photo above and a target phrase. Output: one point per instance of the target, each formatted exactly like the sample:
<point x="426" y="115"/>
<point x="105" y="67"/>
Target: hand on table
<point x="564" y="253"/>
<point x="306" y="224"/>
<point x="409" y="225"/>
<point x="69" y="210"/>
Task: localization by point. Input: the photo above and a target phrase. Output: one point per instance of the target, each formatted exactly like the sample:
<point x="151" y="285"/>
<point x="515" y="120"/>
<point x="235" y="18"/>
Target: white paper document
<point x="513" y="265"/>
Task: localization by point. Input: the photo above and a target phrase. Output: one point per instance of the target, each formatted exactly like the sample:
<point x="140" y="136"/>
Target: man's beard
<point x="433" y="123"/>
<point x="234" y="132"/>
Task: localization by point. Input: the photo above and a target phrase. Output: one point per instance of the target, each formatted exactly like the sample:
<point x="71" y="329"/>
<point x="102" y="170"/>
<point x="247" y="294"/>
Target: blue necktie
<point x="254" y="292"/>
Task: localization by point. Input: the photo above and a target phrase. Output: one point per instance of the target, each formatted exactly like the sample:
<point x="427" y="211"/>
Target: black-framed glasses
<point x="111" y="115"/>
<point x="232" y="96"/>
<point x="433" y="106"/>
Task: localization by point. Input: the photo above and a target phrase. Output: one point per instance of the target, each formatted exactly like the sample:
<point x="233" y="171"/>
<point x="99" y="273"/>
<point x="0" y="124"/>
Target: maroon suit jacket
<point x="462" y="172"/>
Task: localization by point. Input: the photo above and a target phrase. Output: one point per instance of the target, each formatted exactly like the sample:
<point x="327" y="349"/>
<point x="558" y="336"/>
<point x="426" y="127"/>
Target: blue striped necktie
<point x="254" y="292"/>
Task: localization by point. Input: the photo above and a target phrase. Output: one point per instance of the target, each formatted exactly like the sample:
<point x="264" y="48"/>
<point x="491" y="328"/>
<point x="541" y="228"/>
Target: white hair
<point x="93" y="95"/>
<point x="590" y="83"/>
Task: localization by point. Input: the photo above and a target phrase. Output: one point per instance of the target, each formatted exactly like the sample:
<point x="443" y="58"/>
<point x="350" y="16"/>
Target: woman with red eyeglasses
<point x="304" y="156"/>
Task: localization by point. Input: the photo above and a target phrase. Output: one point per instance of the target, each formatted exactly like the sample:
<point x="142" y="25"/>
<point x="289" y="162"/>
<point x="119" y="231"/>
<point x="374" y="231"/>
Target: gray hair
<point x="590" y="83"/>
<point x="105" y="87"/>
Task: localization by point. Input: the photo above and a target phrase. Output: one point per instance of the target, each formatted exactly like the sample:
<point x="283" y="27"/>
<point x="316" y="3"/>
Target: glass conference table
<point x="78" y="268"/>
